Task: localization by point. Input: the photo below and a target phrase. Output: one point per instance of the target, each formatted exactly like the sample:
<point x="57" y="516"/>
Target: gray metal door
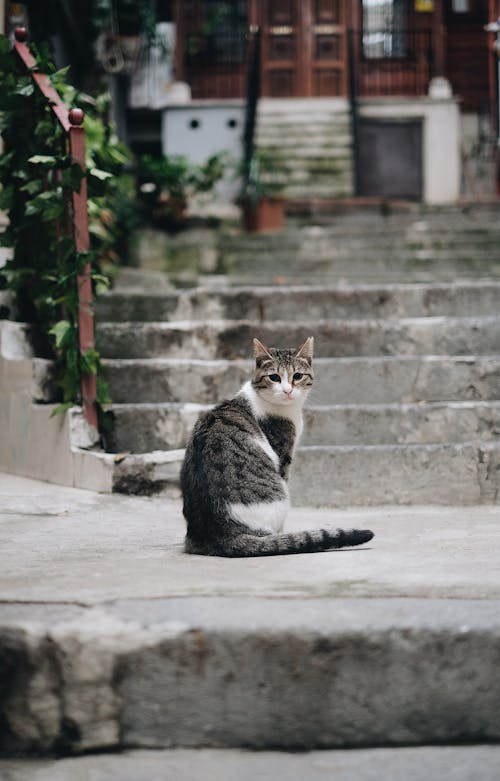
<point x="389" y="158"/>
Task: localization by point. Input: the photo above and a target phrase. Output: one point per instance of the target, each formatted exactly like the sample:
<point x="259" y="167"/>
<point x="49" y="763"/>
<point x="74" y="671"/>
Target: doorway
<point x="389" y="158"/>
<point x="303" y="48"/>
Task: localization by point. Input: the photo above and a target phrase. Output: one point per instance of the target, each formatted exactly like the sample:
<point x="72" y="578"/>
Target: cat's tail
<point x="242" y="545"/>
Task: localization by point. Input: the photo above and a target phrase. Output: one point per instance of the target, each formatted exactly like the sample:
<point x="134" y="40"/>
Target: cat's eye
<point x="297" y="376"/>
<point x="275" y="378"/>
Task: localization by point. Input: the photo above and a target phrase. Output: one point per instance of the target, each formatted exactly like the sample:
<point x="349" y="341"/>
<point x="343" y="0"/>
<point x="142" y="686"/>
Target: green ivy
<point x="38" y="176"/>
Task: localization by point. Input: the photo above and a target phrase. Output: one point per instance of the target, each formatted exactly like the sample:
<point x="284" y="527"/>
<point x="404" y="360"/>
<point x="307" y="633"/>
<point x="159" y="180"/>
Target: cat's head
<point x="283" y="376"/>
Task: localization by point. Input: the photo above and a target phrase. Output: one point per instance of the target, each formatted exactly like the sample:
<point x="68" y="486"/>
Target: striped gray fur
<point x="237" y="461"/>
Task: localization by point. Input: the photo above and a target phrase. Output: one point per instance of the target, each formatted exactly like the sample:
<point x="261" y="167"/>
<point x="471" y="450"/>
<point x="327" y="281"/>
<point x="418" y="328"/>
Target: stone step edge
<point x="158" y="471"/>
<point x="403" y="406"/>
<point x="429" y="321"/>
<point x="341" y="287"/>
<point x="377" y="671"/>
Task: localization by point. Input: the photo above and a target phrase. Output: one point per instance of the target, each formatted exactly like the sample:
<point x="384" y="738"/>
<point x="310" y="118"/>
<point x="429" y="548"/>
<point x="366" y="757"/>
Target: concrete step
<point x="328" y="249"/>
<point x="230" y="339"/>
<point x="230" y="673"/>
<point x="465" y="299"/>
<point x="140" y="428"/>
<point x="312" y="189"/>
<point x="283" y="145"/>
<point x="361" y="380"/>
<point x="402" y="223"/>
<point x="464" y="473"/>
<point x="418" y="763"/>
<point x="313" y="252"/>
<point x="394" y="643"/>
<point x="363" y="475"/>
<point x="390" y="644"/>
<point x="331" y="247"/>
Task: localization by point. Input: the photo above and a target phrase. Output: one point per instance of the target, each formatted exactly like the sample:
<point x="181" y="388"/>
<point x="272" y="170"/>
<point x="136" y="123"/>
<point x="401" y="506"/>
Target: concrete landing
<point x="65" y="545"/>
<point x="448" y="763"/>
<point x="112" y="637"/>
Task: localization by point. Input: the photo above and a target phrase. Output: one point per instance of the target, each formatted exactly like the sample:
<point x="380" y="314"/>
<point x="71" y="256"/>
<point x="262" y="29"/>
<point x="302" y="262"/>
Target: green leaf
<point x="60" y="75"/>
<point x="25" y="89"/>
<point x="61" y="409"/>
<point x="103" y="396"/>
<point x="43" y="159"/>
<point x="6" y="197"/>
<point x="97" y="173"/>
<point x="49" y="205"/>
<point x="33" y="187"/>
<point x="72" y="177"/>
<point x="89" y="361"/>
<point x="61" y="331"/>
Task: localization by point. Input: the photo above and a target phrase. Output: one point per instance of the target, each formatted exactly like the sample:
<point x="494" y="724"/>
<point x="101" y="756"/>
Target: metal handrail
<point x="71" y="120"/>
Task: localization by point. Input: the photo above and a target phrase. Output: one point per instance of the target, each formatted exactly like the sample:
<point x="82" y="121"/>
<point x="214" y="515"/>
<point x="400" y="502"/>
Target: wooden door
<point x="303" y="48"/>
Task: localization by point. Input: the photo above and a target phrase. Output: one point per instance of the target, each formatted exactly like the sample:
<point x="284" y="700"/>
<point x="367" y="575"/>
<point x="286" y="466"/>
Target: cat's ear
<point x="260" y="351"/>
<point x="307" y="349"/>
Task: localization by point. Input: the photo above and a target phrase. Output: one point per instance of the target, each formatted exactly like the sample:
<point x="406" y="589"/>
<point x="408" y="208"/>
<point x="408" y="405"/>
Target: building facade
<point x="413" y="83"/>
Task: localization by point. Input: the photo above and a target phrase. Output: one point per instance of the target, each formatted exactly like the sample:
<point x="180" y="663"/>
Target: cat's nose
<point x="287" y="388"/>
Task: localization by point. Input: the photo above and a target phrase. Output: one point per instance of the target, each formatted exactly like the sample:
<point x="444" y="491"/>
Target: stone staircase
<point x="112" y="639"/>
<point x="405" y="310"/>
<point x="309" y="142"/>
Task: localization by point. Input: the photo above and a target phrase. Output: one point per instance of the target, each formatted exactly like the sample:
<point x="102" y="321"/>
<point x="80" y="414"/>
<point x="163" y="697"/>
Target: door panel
<point x="389" y="158"/>
<point x="303" y="48"/>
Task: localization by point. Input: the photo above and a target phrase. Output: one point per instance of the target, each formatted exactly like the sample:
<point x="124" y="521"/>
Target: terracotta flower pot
<point x="264" y="216"/>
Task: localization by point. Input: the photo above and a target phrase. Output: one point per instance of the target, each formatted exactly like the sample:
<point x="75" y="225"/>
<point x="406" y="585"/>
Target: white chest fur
<point x="269" y="516"/>
<point x="261" y="409"/>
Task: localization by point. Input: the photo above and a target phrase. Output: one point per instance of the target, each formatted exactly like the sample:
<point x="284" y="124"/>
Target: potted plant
<point x="124" y="30"/>
<point x="167" y="183"/>
<point x="263" y="208"/>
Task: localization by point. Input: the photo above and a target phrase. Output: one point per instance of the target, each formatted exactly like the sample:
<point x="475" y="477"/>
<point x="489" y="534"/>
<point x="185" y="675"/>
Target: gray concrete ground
<point x="471" y="763"/>
<point x="64" y="545"/>
<point x="105" y="578"/>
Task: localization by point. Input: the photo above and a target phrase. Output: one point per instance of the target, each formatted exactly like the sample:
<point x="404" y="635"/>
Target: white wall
<point x="199" y="130"/>
<point x="441" y="140"/>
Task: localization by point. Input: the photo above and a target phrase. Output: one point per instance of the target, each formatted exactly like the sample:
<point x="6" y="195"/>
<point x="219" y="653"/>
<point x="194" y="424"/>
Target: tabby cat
<point x="234" y="475"/>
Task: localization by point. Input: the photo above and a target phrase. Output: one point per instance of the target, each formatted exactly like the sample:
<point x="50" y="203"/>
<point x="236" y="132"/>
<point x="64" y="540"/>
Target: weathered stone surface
<point x="111" y="636"/>
<point x="387" y="474"/>
<point x="202" y="382"/>
<point x="464" y="473"/>
<point x="246" y="673"/>
<point x="465" y="299"/>
<point x="357" y="380"/>
<point x="140" y="428"/>
<point x="149" y="473"/>
<point x="313" y="163"/>
<point x="448" y="763"/>
<point x="214" y="340"/>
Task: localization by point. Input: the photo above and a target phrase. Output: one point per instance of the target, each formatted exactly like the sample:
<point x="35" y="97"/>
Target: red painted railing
<point x="72" y="123"/>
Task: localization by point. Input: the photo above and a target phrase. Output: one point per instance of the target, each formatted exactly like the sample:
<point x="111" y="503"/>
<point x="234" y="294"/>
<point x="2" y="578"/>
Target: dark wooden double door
<point x="303" y="48"/>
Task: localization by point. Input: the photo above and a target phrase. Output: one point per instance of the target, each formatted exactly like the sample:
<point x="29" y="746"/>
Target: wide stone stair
<point x="406" y="402"/>
<point x="113" y="640"/>
<point x="309" y="143"/>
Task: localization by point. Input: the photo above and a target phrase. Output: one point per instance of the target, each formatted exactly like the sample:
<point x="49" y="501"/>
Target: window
<point x="225" y="23"/>
<point x="460" y="6"/>
<point x="384" y="29"/>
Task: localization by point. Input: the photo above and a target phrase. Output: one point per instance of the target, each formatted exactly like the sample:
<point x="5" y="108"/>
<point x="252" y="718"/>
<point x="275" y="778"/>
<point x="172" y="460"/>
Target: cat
<point x="235" y="470"/>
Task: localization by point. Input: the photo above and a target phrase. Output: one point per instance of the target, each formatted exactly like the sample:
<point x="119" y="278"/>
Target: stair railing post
<point x="72" y="123"/>
<point x="252" y="98"/>
<point x="84" y="281"/>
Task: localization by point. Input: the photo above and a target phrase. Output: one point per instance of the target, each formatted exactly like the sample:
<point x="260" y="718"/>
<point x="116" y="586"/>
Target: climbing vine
<point x="37" y="175"/>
